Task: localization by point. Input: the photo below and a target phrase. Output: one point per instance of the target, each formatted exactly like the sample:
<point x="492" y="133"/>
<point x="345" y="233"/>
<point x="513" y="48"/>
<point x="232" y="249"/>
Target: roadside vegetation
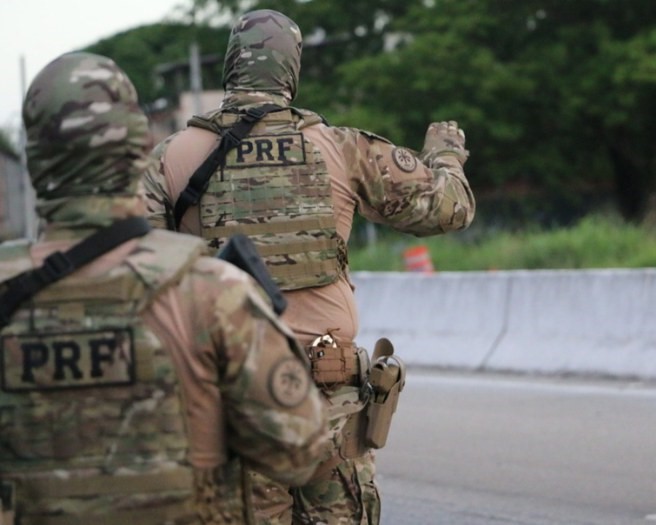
<point x="596" y="241"/>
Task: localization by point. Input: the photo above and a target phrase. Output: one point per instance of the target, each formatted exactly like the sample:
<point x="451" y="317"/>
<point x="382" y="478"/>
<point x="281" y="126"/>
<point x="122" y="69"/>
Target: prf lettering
<point x="271" y="150"/>
<point x="65" y="357"/>
<point x="67" y="360"/>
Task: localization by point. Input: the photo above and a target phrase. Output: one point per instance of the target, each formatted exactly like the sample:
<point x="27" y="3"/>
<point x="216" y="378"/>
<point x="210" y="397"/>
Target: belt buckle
<point x="323" y="341"/>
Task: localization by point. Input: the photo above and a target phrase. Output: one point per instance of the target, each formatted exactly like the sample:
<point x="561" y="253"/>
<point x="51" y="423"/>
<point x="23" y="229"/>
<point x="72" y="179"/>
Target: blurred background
<point x="557" y="99"/>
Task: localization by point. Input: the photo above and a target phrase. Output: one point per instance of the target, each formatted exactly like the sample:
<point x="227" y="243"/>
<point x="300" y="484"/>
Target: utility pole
<point x="195" y="77"/>
<point x="28" y="192"/>
<point x="195" y="74"/>
<point x="371" y="233"/>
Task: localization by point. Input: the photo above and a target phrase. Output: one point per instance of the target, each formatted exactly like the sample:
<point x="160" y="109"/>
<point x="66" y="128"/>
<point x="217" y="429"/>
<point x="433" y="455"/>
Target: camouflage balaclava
<point x="87" y="141"/>
<point x="263" y="59"/>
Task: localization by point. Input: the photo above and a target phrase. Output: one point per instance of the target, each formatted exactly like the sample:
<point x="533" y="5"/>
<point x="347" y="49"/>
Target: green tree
<point x="141" y="50"/>
<point x="335" y="33"/>
<point x="555" y="95"/>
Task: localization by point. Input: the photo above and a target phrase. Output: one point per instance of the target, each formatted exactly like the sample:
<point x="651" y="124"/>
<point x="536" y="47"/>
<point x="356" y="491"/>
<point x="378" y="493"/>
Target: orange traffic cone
<point x="417" y="259"/>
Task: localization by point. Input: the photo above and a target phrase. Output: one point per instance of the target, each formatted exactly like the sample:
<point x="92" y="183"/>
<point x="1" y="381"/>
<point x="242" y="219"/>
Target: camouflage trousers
<point x="344" y="494"/>
<point x="347" y="496"/>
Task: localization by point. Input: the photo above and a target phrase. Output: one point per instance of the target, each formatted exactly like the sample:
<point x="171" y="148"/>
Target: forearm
<point x="448" y="203"/>
<point x="437" y="200"/>
<point x="451" y="206"/>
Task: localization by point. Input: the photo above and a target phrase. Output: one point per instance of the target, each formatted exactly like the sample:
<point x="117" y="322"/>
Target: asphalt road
<point x="481" y="449"/>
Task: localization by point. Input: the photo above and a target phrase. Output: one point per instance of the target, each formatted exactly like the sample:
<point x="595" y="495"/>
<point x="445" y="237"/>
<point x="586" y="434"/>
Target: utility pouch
<point x="386" y="379"/>
<point x="333" y="363"/>
<point x="7" y="504"/>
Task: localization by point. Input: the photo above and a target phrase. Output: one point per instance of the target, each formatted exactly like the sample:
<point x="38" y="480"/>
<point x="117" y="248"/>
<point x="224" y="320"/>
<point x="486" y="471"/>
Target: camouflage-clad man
<point x="138" y="378"/>
<point x="293" y="183"/>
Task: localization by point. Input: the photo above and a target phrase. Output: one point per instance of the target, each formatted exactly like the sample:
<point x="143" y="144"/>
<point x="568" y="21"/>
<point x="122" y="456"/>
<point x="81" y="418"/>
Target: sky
<point x="34" y="32"/>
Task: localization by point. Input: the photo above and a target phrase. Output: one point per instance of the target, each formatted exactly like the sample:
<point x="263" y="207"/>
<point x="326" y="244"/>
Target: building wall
<point x="17" y="217"/>
<point x="164" y="123"/>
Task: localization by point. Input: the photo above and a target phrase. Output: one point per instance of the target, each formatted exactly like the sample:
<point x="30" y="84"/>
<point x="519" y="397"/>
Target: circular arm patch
<point x="289" y="382"/>
<point x="404" y="159"/>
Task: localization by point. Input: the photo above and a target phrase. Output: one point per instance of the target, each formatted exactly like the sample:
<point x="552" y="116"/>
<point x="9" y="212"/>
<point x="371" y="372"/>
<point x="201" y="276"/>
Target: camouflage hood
<point x="263" y="59"/>
<point x="87" y="141"/>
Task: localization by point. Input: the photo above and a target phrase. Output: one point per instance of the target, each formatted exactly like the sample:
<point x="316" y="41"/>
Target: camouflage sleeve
<point x="421" y="194"/>
<point x="159" y="208"/>
<point x="275" y="413"/>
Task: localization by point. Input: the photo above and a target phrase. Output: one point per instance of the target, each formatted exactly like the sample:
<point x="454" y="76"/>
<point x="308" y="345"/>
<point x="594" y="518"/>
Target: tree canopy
<point x="557" y="97"/>
<point x="142" y="50"/>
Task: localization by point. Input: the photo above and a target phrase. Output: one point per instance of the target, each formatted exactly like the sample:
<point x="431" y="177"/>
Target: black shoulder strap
<point x="58" y="265"/>
<point x="199" y="181"/>
<point x="241" y="251"/>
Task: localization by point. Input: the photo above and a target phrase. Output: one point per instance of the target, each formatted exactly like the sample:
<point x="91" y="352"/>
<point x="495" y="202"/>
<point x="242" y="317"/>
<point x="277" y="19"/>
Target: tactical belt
<point x="58" y="265"/>
<point x="200" y="180"/>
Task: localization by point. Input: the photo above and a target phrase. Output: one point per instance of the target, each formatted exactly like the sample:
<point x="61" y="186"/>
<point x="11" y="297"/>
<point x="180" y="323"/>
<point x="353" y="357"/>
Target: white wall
<point x="589" y="322"/>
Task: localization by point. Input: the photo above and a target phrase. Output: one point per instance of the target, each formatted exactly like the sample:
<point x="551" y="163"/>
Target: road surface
<point x="489" y="449"/>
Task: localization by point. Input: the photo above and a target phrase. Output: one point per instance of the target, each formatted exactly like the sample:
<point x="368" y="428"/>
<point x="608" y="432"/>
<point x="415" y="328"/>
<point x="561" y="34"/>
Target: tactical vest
<point x="275" y="188"/>
<point x="91" y="424"/>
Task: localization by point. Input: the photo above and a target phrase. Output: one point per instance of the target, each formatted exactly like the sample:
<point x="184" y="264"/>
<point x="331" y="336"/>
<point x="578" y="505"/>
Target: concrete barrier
<point x="583" y="322"/>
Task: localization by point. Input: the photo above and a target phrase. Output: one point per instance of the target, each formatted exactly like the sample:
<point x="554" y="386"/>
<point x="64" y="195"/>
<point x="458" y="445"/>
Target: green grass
<point x="595" y="242"/>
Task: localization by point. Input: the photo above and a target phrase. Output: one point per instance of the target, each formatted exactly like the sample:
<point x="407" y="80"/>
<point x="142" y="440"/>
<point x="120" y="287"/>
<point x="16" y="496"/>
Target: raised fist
<point x="446" y="138"/>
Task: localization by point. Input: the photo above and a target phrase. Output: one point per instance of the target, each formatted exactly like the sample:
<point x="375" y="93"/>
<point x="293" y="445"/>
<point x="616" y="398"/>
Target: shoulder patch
<point x="404" y="159"/>
<point x="289" y="382"/>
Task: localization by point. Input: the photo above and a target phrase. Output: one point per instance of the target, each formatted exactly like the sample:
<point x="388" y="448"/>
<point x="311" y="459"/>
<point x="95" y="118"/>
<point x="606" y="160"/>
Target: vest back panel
<point x="276" y="189"/>
<point x="88" y="392"/>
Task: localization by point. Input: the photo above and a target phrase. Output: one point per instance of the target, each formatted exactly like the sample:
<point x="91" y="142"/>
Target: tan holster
<point x="387" y="379"/>
<point x="380" y="383"/>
